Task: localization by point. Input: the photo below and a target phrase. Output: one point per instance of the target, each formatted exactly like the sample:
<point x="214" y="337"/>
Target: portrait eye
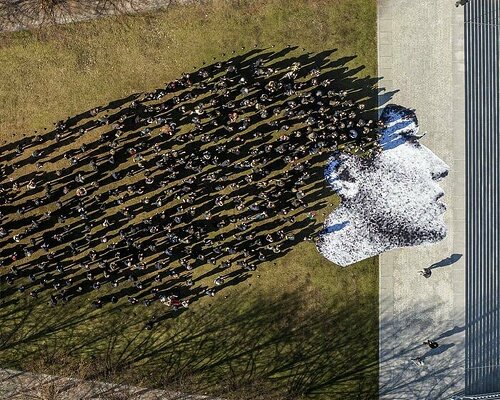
<point x="415" y="143"/>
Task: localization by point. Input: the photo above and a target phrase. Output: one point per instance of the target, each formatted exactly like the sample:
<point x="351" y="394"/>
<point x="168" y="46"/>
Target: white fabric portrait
<point x="391" y="200"/>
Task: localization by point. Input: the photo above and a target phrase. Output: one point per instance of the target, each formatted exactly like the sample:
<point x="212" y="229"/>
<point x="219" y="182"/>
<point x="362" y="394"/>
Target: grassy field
<point x="302" y="327"/>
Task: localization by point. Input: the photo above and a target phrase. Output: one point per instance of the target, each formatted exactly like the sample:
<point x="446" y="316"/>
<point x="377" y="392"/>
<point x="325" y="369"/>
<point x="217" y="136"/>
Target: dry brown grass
<point x="261" y="343"/>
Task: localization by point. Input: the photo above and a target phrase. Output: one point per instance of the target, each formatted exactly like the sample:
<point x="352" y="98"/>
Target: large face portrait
<point x="191" y="187"/>
<point x="390" y="200"/>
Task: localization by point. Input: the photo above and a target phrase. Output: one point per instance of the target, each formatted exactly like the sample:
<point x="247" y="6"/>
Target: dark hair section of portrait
<point x="198" y="181"/>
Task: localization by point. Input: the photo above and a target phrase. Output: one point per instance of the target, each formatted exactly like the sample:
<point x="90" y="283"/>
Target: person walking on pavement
<point x="419" y="361"/>
<point x="426" y="272"/>
<point x="431" y="343"/>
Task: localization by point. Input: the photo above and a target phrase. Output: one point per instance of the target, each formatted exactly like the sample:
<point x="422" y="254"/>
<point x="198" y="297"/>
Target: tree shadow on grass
<point x="299" y="344"/>
<point x="291" y="346"/>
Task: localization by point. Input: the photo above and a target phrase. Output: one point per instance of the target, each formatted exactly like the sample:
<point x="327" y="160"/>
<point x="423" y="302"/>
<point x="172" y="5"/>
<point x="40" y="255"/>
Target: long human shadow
<point x="401" y="340"/>
<point x="452" y="259"/>
<point x="234" y="193"/>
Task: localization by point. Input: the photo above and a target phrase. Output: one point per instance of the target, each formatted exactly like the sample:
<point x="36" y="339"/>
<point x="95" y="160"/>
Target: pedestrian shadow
<point x="446" y="261"/>
<point x="450" y="332"/>
<point x="437" y="351"/>
<point x="71" y="227"/>
<point x="440" y="375"/>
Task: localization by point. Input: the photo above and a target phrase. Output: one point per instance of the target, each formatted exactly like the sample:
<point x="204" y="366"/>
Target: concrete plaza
<point x="421" y="56"/>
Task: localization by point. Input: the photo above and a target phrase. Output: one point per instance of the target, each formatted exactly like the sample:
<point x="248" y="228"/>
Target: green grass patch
<point x="301" y="326"/>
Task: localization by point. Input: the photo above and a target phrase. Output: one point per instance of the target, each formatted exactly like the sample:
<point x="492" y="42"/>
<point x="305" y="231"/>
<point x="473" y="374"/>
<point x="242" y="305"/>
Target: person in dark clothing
<point x="203" y="209"/>
<point x="426" y="272"/>
<point x="431" y="343"/>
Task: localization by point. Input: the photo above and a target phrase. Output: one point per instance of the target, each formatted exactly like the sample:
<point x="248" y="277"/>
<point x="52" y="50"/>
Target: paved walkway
<point x="23" y="385"/>
<point x="421" y="55"/>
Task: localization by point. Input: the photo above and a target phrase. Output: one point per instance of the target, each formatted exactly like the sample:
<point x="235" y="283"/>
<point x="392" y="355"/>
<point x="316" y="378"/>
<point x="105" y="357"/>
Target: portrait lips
<point x="441" y="205"/>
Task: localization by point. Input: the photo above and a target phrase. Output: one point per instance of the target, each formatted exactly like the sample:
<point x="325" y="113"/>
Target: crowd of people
<point x="199" y="181"/>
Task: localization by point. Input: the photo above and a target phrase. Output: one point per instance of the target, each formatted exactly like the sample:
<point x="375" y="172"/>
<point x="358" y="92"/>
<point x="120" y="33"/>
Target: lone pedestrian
<point x="426" y="272"/>
<point x="431" y="343"/>
<point x="418" y="361"/>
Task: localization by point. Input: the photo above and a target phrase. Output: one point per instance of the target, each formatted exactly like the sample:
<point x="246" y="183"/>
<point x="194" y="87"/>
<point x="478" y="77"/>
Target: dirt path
<point x="28" y="19"/>
<point x="16" y="385"/>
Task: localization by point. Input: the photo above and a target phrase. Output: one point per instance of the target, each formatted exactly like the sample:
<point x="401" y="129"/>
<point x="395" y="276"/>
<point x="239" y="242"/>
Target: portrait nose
<point x="439" y="169"/>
